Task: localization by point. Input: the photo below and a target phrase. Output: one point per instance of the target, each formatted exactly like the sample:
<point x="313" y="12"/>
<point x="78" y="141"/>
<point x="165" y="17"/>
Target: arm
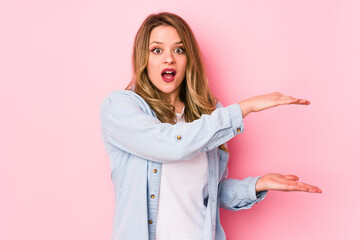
<point x="243" y="194"/>
<point x="127" y="125"/>
<point x="238" y="194"/>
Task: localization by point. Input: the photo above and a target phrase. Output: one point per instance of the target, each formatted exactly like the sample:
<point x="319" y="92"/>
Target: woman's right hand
<point x="286" y="183"/>
<point x="262" y="102"/>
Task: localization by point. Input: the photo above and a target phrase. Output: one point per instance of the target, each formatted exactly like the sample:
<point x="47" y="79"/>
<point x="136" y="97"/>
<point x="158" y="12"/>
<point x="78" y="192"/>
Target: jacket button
<point x="178" y="137"/>
<point x="150" y="222"/>
<point x="238" y="130"/>
<point x="155" y="170"/>
<point x="152" y="196"/>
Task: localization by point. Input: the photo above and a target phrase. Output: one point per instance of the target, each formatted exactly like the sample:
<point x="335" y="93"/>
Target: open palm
<point x="279" y="182"/>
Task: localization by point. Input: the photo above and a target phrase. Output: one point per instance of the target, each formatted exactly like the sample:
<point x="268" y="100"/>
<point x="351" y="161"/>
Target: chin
<point x="167" y="91"/>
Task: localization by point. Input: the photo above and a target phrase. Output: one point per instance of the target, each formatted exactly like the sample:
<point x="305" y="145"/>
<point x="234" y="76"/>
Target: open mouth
<point x="168" y="74"/>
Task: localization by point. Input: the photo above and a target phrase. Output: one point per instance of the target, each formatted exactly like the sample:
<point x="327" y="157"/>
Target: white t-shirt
<point x="181" y="210"/>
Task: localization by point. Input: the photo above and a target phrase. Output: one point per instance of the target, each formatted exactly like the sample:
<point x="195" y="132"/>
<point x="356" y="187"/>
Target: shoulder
<point x="124" y="100"/>
<point x="122" y="95"/>
<point x="218" y="104"/>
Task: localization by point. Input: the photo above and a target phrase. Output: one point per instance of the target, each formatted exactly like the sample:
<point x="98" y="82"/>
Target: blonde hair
<point x="194" y="93"/>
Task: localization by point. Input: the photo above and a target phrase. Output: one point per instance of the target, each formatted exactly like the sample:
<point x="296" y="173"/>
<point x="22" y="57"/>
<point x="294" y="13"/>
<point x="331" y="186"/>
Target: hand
<point x="259" y="103"/>
<point x="276" y="181"/>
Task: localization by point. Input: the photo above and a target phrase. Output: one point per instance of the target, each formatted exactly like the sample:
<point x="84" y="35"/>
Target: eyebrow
<point x="162" y="42"/>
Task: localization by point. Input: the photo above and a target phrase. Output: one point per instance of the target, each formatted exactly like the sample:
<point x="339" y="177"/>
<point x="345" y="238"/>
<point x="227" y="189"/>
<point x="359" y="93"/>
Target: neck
<point x="174" y="99"/>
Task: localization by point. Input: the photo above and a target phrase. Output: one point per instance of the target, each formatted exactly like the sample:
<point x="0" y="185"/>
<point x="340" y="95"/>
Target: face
<point x="167" y="61"/>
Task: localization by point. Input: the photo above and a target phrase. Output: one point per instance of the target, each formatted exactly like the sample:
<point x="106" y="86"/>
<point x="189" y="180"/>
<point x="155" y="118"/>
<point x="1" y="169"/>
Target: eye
<point x="180" y="50"/>
<point x="156" y="50"/>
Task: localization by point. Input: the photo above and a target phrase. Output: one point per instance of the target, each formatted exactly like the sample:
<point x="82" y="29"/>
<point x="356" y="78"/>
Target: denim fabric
<point x="138" y="144"/>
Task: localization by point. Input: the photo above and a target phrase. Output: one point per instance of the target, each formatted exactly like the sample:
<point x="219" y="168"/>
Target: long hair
<point x="194" y="90"/>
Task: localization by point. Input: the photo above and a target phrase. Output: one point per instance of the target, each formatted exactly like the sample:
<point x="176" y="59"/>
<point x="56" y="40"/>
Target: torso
<point x="181" y="211"/>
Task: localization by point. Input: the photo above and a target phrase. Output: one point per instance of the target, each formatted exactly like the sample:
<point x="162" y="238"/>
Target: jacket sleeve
<point x="236" y="194"/>
<point x="127" y="125"/>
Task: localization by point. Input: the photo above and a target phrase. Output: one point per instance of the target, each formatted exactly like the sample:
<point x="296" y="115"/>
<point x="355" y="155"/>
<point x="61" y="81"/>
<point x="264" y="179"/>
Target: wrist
<point x="259" y="186"/>
<point x="245" y="108"/>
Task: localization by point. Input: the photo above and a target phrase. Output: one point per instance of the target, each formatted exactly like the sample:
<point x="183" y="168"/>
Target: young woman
<point x="166" y="138"/>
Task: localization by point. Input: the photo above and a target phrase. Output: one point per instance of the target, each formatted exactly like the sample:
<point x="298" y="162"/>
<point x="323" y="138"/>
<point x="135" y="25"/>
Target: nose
<point x="168" y="58"/>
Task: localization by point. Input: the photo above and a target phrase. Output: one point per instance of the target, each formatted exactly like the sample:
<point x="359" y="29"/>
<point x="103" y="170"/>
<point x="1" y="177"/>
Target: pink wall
<point x="59" y="59"/>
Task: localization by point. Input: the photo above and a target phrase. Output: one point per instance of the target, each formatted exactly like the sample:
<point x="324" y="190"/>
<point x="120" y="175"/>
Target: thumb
<point x="291" y="177"/>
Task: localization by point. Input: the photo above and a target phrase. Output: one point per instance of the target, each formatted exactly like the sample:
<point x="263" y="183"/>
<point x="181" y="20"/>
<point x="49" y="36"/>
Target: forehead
<point x="165" y="35"/>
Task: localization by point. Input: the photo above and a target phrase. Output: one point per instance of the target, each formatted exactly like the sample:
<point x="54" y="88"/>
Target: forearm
<point x="236" y="194"/>
<point x="245" y="107"/>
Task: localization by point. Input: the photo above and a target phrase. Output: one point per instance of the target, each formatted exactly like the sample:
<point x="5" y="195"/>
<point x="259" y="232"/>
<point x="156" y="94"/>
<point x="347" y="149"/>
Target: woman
<point x="166" y="137"/>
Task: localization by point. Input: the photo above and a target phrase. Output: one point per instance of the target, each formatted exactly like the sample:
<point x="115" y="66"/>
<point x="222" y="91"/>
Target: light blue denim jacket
<point x="138" y="144"/>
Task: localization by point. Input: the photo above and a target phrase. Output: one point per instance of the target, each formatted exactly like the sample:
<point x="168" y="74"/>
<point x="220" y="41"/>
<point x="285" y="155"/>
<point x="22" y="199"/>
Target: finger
<point x="293" y="101"/>
<point x="308" y="188"/>
<point x="292" y="185"/>
<point x="315" y="190"/>
<point x="299" y="101"/>
<point x="291" y="177"/>
<point x="312" y="190"/>
<point x="304" y="101"/>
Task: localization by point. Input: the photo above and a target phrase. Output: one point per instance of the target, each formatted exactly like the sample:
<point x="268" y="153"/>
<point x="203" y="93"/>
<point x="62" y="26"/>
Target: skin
<point x="166" y="51"/>
<point x="262" y="102"/>
<point x="286" y="183"/>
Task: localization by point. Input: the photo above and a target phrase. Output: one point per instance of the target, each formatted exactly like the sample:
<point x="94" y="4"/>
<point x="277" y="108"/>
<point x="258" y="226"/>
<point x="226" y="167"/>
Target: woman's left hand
<point x="279" y="182"/>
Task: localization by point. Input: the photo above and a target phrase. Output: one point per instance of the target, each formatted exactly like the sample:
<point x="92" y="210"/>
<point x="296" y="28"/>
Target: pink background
<point x="59" y="59"/>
